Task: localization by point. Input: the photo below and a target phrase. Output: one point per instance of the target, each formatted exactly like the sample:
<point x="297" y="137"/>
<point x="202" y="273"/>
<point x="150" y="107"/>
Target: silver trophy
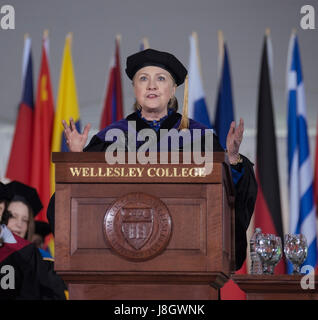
<point x="269" y="249"/>
<point x="295" y="249"/>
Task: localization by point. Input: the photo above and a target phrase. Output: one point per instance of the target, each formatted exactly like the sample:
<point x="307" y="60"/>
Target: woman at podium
<point x="155" y="77"/>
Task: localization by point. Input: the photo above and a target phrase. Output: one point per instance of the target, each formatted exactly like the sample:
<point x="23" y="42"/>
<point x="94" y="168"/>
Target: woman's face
<point x="153" y="87"/>
<point x="19" y="221"/>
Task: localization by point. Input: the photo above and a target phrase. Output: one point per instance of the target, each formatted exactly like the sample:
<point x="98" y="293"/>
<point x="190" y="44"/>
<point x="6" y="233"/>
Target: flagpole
<point x="289" y="57"/>
<point x="118" y="38"/>
<point x="46" y="41"/>
<point x="269" y="51"/>
<point x="221" y="54"/>
<point x="146" y="43"/>
<point x="196" y="41"/>
<point x="45" y="34"/>
<point x="221" y="43"/>
<point x="27" y="42"/>
<point x="69" y="36"/>
<point x="267" y="32"/>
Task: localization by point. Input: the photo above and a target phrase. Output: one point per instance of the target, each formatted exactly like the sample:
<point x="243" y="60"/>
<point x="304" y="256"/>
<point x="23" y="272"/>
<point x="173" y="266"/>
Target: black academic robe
<point x="34" y="279"/>
<point x="246" y="187"/>
<point x="98" y="142"/>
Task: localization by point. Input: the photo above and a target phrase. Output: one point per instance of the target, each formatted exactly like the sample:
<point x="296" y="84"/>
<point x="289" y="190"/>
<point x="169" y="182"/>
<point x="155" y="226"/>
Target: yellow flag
<point x="67" y="104"/>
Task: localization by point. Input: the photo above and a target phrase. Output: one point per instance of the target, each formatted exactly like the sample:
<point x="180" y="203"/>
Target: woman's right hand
<point x="75" y="140"/>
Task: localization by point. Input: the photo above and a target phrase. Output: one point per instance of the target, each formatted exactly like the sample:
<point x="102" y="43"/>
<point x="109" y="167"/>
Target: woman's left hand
<point x="233" y="141"/>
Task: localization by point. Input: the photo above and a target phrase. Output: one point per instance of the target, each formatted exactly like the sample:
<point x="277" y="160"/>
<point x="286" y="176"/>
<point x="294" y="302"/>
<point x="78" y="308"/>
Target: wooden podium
<point x="136" y="231"/>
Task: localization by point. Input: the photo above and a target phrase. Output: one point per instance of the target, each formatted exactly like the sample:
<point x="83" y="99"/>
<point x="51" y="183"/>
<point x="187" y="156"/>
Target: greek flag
<point x="302" y="217"/>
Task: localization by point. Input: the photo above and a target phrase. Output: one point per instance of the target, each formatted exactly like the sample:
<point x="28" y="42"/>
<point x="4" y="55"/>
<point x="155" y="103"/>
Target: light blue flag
<point x="198" y="110"/>
<point x="224" y="113"/>
<point x="302" y="218"/>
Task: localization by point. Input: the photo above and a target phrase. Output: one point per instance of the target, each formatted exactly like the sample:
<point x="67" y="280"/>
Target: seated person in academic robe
<point x="24" y="275"/>
<point x="42" y="230"/>
<point x="155" y="76"/>
<point x="22" y="208"/>
<point x="19" y="216"/>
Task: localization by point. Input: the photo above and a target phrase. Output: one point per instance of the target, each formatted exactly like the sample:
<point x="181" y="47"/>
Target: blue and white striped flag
<point x="302" y="218"/>
<point x="198" y="110"/>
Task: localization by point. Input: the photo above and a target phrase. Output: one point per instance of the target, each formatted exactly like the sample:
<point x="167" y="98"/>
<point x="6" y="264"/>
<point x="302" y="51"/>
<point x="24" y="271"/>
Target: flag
<point x="316" y="172"/>
<point x="113" y="103"/>
<point x="42" y="137"/>
<point x="144" y="44"/>
<point x="268" y="215"/>
<point x="19" y="163"/>
<point x="302" y="217"/>
<point x="231" y="291"/>
<point x="198" y="110"/>
<point x="223" y="118"/>
<point x="224" y="113"/>
<point x="316" y="178"/>
<point x="67" y="104"/>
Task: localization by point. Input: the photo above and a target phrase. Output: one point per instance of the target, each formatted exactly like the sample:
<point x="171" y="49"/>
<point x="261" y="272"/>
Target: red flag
<point x="113" y="104"/>
<point x="42" y="137"/>
<point x="21" y="149"/>
<point x="268" y="215"/>
<point x="231" y="291"/>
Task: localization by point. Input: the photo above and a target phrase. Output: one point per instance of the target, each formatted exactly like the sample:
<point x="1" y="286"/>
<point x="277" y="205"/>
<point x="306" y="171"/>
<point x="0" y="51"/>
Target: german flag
<point x="268" y="215"/>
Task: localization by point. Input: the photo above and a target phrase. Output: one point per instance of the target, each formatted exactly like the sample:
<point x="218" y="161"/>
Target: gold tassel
<point x="184" y="124"/>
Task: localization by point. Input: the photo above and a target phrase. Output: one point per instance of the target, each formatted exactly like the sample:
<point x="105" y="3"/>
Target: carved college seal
<point x="138" y="226"/>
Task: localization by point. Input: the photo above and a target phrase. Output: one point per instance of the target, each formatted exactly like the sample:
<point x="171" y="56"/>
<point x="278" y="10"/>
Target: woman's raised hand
<point x="75" y="140"/>
<point x="233" y="140"/>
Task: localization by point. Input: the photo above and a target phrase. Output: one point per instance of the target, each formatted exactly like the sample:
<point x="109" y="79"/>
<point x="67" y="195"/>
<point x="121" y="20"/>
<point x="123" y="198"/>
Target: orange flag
<point x="42" y="137"/>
